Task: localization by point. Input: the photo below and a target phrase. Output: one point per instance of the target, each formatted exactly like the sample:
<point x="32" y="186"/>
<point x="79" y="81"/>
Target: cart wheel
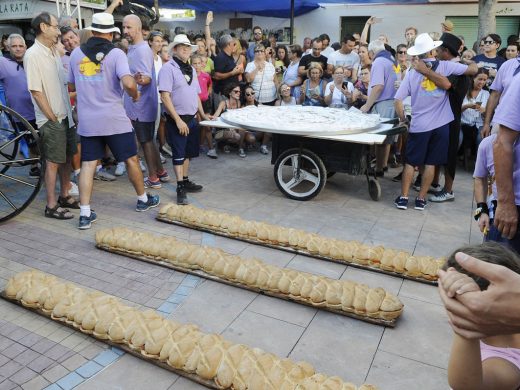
<point x="19" y="150"/>
<point x="299" y="174"/>
<point x="374" y="189"/>
<point x="330" y="174"/>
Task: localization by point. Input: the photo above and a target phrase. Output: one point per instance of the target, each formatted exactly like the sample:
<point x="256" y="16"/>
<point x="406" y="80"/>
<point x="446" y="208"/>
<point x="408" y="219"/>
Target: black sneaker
<point x="417" y="183"/>
<point x="34" y="173"/>
<point x="182" y="198"/>
<point x="420" y="204"/>
<point x="86" y="222"/>
<point x="401" y="202"/>
<point x="190" y="186"/>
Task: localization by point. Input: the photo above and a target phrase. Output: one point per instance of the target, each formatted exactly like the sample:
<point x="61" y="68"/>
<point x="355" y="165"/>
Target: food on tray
<point x="319" y="291"/>
<point x="420" y="267"/>
<point x="303" y="119"/>
<point x="219" y="362"/>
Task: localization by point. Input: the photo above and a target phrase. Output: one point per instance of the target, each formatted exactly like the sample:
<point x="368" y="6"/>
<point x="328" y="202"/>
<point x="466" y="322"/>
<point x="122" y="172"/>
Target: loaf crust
<point x="319" y="291"/>
<point x="184" y="347"/>
<point x="386" y="259"/>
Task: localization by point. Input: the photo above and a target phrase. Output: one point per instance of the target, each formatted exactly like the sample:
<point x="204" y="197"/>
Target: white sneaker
<point x="120" y="169"/>
<point x="163" y="159"/>
<point x="242" y="153"/>
<point x="74" y="190"/>
<point x="141" y="164"/>
<point x="212" y="153"/>
<point x="263" y="149"/>
<point x="442" y="196"/>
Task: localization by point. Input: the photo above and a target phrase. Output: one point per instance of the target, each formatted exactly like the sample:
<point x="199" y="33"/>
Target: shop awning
<point x="272" y="8"/>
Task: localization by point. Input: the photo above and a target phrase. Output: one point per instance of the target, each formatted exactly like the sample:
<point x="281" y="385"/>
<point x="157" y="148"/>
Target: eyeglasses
<point x="250" y="94"/>
<point x="257" y="33"/>
<point x="488" y="42"/>
<point x="402" y="52"/>
<point x="55" y="26"/>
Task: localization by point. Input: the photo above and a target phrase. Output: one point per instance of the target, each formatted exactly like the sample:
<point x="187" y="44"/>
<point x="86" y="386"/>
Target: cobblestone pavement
<point x="36" y="353"/>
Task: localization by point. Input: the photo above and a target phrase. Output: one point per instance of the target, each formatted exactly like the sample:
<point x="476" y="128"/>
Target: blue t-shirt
<point x="489" y="63"/>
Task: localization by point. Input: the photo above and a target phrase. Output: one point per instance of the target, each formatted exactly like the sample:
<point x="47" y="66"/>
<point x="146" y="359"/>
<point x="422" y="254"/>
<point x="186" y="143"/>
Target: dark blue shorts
<point x="183" y="147"/>
<point x="429" y="147"/>
<point x="122" y="146"/>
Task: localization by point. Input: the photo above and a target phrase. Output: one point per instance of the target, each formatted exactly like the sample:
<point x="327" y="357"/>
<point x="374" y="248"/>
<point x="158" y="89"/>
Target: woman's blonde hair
<point x="314" y="65"/>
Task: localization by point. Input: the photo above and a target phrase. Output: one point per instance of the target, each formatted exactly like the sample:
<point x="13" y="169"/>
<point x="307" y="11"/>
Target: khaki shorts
<point x="58" y="141"/>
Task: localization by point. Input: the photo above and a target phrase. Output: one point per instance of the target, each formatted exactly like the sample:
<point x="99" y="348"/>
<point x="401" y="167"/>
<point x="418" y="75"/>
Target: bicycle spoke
<point x="8" y="201"/>
<point x="17" y="180"/>
<point x="22" y="161"/>
<point x="14" y="139"/>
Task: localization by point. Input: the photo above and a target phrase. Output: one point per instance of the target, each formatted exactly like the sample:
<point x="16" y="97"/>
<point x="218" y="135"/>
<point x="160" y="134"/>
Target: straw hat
<point x="423" y="44"/>
<point x="103" y="22"/>
<point x="182" y="39"/>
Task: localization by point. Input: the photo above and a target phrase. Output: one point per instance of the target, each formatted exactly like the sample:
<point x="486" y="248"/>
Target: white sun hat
<point x="182" y="39"/>
<point x="423" y="44"/>
<point x="103" y="22"/>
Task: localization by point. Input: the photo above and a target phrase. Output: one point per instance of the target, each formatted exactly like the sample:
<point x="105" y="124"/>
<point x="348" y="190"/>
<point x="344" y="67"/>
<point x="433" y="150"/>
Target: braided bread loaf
<point x="319" y="291"/>
<point x="421" y="267"/>
<point x="184" y="347"/>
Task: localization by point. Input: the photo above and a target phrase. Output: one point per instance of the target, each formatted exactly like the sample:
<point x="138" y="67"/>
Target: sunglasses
<point x="402" y="52"/>
<point x="236" y="91"/>
<point x="259" y="51"/>
<point x="488" y="42"/>
<point x="250" y="93"/>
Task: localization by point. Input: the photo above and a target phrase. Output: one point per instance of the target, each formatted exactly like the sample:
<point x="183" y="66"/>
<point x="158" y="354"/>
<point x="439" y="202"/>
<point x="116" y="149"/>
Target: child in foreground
<point x="493" y="362"/>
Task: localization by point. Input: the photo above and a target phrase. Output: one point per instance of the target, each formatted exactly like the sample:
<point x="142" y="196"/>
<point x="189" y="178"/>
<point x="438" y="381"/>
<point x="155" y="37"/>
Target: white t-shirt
<point x="350" y="60"/>
<point x="337" y="95"/>
<point x="474" y="117"/>
<point x="327" y="52"/>
<point x="263" y="83"/>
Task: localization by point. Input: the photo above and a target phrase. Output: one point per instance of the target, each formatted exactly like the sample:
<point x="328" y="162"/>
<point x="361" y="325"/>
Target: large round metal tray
<point x="301" y="120"/>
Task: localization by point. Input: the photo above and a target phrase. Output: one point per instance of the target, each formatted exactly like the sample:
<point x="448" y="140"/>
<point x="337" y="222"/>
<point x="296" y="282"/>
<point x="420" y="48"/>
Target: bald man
<point x="143" y="113"/>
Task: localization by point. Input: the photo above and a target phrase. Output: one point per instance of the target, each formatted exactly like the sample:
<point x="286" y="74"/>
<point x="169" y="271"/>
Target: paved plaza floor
<point x="38" y="353"/>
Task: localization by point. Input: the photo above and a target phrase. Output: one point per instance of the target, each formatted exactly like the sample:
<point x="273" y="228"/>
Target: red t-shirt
<point x="205" y="83"/>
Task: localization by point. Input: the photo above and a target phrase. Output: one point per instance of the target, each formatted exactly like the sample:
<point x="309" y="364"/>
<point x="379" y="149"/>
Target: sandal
<point x="65" y="202"/>
<point x="54" y="213"/>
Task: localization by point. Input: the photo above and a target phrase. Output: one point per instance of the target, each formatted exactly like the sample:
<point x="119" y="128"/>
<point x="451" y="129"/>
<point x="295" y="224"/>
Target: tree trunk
<point x="486" y="17"/>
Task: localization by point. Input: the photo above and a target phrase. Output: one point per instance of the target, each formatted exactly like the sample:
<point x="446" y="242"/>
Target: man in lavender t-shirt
<point x="381" y="92"/>
<point x="14" y="79"/>
<point x="12" y="75"/>
<point x="99" y="73"/>
<point x="143" y="113"/>
<point x="507" y="166"/>
<point x="428" y="138"/>
<point x="499" y="87"/>
<point x="179" y="88"/>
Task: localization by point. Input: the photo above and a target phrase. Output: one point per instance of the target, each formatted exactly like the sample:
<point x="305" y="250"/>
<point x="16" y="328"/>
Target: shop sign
<point x="17" y="9"/>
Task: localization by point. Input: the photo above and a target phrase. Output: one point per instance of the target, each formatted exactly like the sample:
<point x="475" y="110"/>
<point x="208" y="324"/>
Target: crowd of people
<point x="443" y="92"/>
<point x="134" y="98"/>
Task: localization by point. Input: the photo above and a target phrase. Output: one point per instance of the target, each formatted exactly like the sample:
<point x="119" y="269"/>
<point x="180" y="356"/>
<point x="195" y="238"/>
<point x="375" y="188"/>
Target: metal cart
<point x="19" y="150"/>
<point x="302" y="164"/>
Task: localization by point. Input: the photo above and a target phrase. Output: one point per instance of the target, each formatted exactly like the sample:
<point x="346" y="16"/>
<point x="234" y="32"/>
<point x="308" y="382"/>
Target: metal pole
<point x="292" y="23"/>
